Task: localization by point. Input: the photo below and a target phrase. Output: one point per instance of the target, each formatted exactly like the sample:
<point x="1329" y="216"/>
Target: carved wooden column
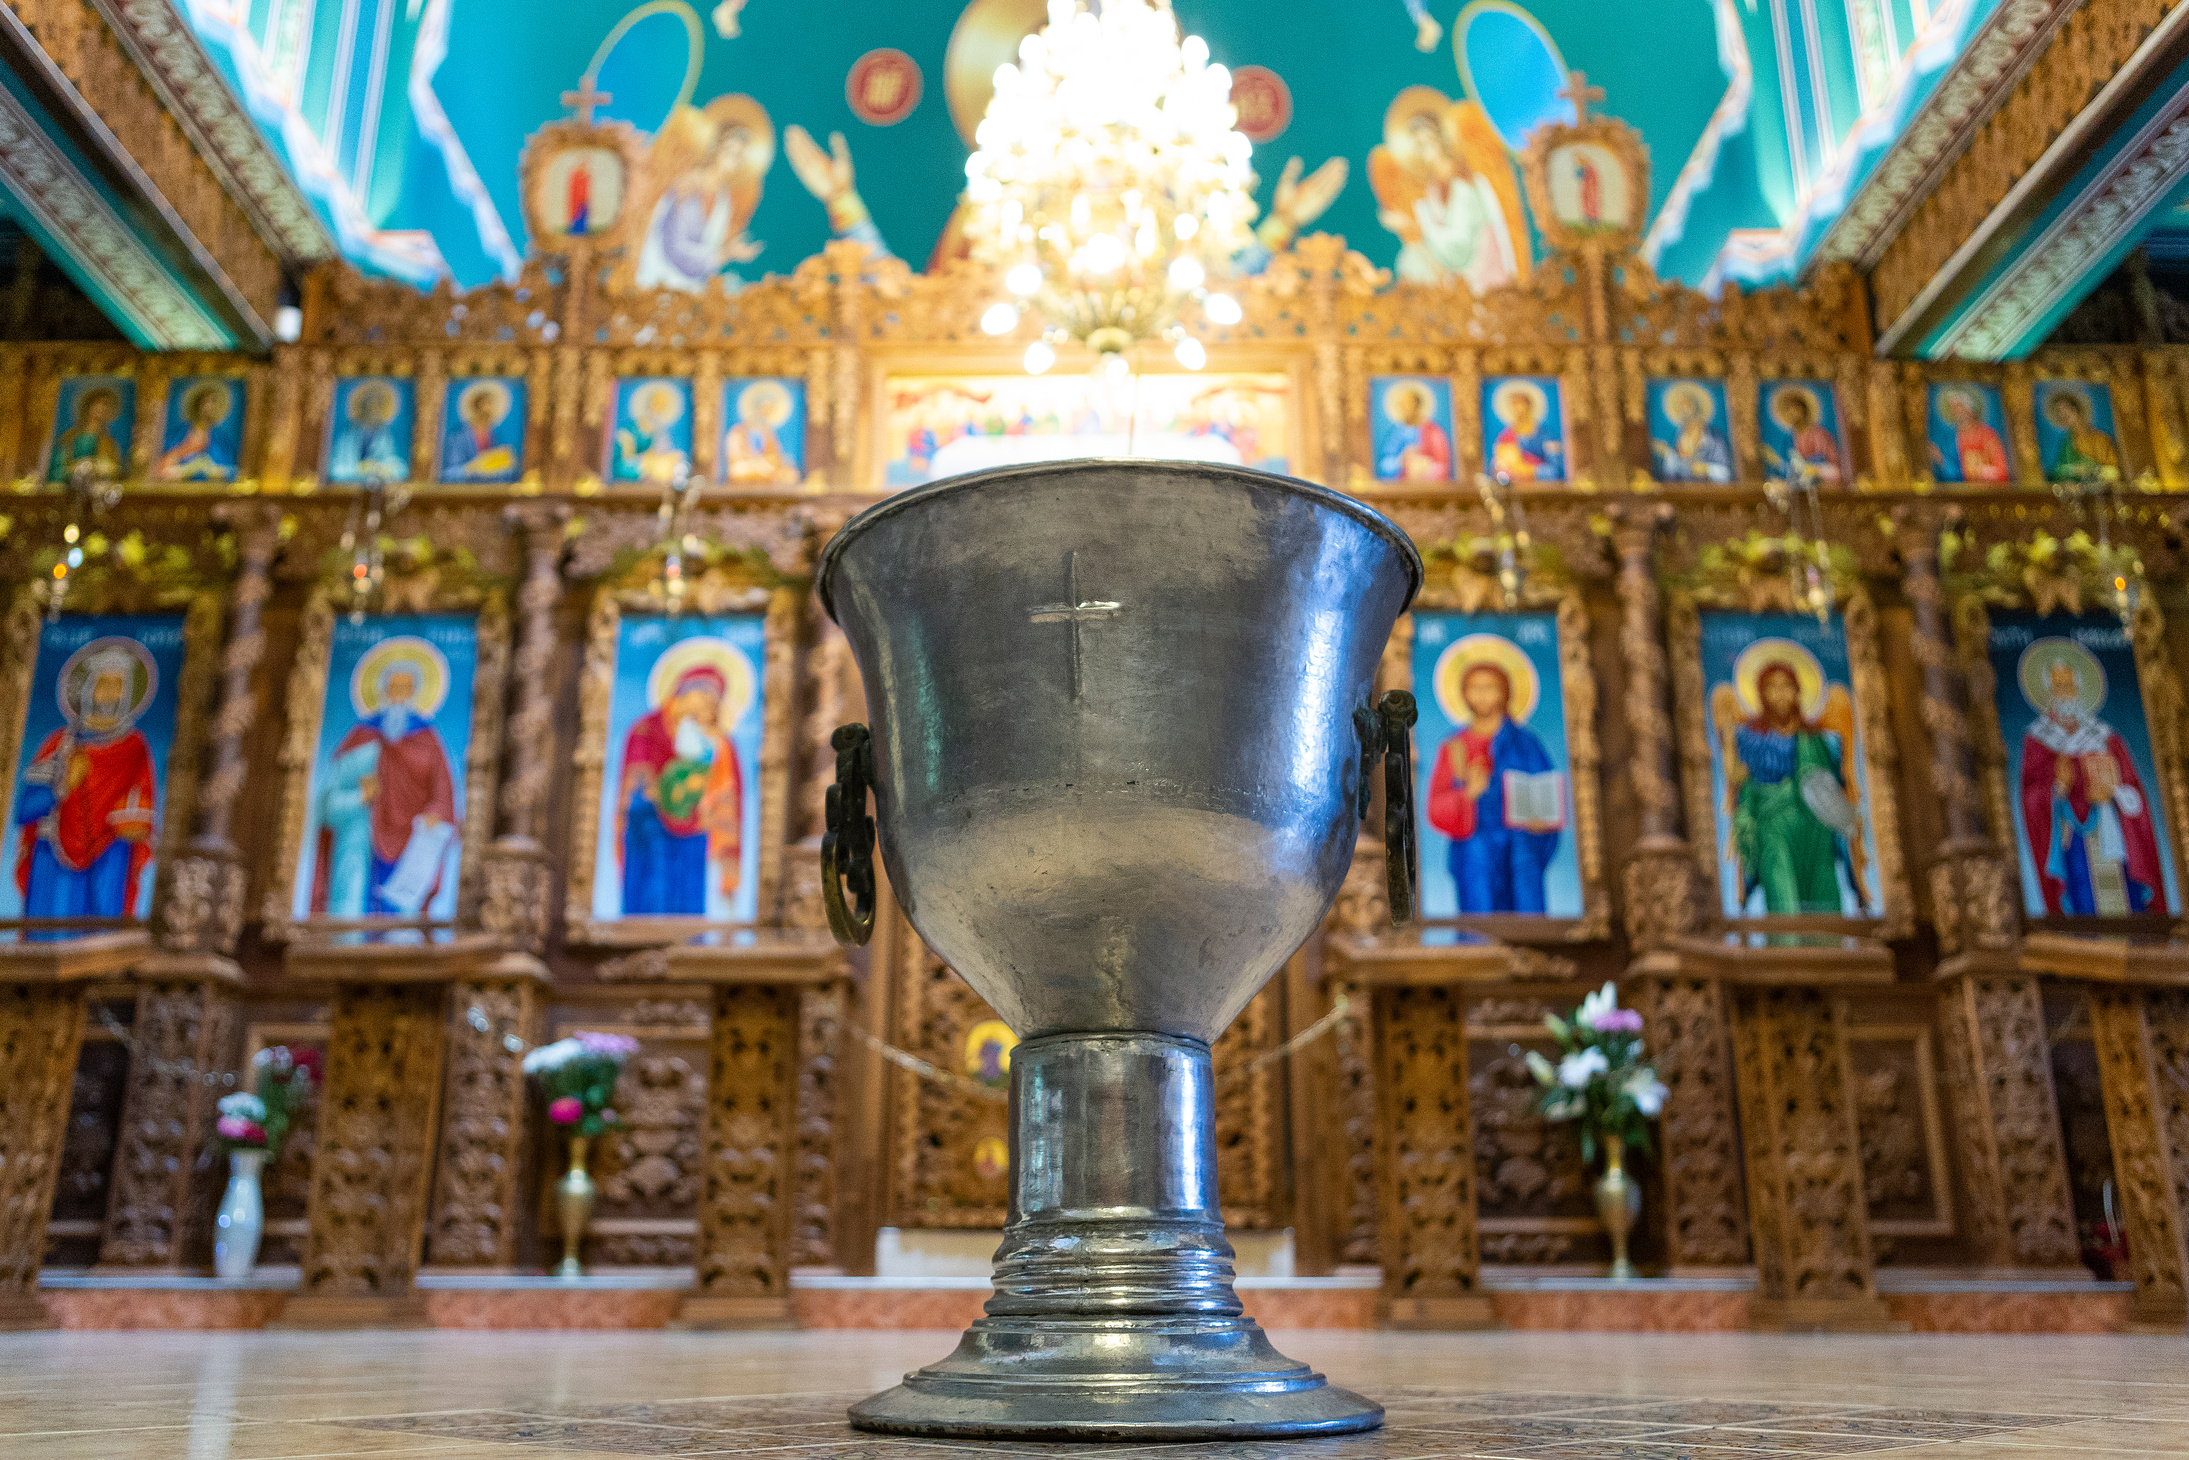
<point x="515" y="905"/>
<point x="745" y="1207"/>
<point x="41" y="1030"/>
<point x="1663" y="901"/>
<point x="160" y="1213"/>
<point x="186" y="1018"/>
<point x="379" y="1119"/>
<point x="2142" y="1039"/>
<point x="1814" y="1265"/>
<point x="1425" y="1161"/>
<point x="1705" y="1217"/>
<point x="1972" y="903"/>
<point x="200" y="908"/>
<point x="478" y="1183"/>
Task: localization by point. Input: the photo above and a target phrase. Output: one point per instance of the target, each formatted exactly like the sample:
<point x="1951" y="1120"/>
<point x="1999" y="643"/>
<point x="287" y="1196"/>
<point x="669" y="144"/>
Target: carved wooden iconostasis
<point x="492" y="463"/>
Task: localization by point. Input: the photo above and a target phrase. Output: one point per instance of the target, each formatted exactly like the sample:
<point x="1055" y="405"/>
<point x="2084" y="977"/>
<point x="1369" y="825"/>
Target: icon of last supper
<point x="1788" y="786"/>
<point x="680" y="810"/>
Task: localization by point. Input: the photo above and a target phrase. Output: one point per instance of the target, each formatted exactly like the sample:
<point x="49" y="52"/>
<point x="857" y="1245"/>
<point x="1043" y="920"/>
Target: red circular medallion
<point x="1263" y="101"/>
<point x="883" y="87"/>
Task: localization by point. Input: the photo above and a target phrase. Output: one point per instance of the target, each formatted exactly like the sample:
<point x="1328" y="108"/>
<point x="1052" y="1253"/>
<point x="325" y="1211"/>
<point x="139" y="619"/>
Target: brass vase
<point x="574" y="1196"/>
<point x="1618" y="1203"/>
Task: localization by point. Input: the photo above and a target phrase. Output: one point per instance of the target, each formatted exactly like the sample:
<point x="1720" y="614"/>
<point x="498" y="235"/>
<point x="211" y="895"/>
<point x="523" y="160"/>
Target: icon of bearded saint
<point x="1793" y="821"/>
<point x="87" y="808"/>
<point x="2085" y="813"/>
<point x="1446" y="187"/>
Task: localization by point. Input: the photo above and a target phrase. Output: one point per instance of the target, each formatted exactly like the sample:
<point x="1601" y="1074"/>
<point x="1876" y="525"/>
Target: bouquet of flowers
<point x="1601" y="1080"/>
<point x="258" y="1120"/>
<point x="578" y="1077"/>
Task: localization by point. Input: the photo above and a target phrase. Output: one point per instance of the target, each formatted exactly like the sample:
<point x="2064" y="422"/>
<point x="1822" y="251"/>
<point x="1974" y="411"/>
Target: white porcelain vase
<point x="242" y="1218"/>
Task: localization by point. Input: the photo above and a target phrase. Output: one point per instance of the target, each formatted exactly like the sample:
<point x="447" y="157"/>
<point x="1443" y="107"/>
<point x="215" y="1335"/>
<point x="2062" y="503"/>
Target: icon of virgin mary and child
<point x="1494" y="789"/>
<point x="386" y="804"/>
<point x="1792" y="814"/>
<point x="680" y="802"/>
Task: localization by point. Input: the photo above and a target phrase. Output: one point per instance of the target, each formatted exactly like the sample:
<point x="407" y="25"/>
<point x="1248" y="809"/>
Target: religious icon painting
<point x="1524" y="428"/>
<point x="1788" y="783"/>
<point x="93" y="421"/>
<point x="1493" y="767"/>
<point x="679" y="828"/>
<point x="90" y="783"/>
<point x="988" y="1047"/>
<point x="369" y="431"/>
<point x="2090" y="820"/>
<point x="2075" y="438"/>
<point x="482" y="429"/>
<point x="1966" y="431"/>
<point x="1798" y="423"/>
<point x="650" y="435"/>
<point x="202" y="438"/>
<point x="578" y="190"/>
<point x="1687" y="431"/>
<point x="1412" y="422"/>
<point x="386" y="802"/>
<point x="764" y="435"/>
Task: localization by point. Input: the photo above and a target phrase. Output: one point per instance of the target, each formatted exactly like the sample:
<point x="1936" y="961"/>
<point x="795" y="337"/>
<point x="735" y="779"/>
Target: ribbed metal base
<point x="1114" y="1316"/>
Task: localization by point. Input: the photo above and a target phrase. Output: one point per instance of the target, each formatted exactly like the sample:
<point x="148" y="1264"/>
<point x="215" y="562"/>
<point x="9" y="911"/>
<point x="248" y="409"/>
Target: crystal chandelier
<point x="1109" y="183"/>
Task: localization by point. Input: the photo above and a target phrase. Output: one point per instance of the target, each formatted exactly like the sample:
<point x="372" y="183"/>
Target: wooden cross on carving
<point x="586" y="97"/>
<point x="1578" y="91"/>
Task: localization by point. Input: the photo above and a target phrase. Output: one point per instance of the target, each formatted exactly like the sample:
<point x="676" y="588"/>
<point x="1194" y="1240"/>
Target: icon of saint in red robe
<point x="387" y="808"/>
<point x="2088" y="820"/>
<point x="88" y="808"/>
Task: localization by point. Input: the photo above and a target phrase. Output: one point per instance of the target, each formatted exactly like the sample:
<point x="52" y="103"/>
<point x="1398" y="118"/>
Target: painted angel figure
<point x="1445" y="185"/>
<point x="703" y="176"/>
<point x="1792" y="816"/>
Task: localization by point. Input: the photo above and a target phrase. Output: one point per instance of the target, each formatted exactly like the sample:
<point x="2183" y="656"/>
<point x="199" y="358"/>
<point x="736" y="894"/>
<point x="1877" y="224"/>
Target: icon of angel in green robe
<point x="1792" y="816"/>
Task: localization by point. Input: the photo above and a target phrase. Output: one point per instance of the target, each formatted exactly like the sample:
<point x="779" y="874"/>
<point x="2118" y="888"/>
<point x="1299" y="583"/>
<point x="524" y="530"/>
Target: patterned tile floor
<point x="584" y="1396"/>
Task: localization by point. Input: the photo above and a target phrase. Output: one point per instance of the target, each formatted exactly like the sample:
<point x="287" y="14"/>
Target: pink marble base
<point x="1311" y="1307"/>
<point x="162" y="1307"/>
<point x="2012" y="1312"/>
<point x="503" y="1308"/>
<point x="1637" y="1311"/>
<point x="886" y="1307"/>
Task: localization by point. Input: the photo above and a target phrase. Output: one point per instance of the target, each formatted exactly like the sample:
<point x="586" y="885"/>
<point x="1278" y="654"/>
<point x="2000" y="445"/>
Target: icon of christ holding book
<point x="1494" y="789"/>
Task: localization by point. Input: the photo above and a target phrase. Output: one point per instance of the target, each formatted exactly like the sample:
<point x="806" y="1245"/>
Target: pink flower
<point x="614" y="1046"/>
<point x="1619" y="1021"/>
<point x="566" y="1111"/>
<point x="243" y="1132"/>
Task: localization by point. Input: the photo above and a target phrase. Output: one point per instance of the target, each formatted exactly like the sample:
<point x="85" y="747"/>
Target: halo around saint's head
<point x="719" y="655"/>
<point x="1968" y="395"/>
<point x="208" y="392"/>
<point x="123" y="656"/>
<point x="1786" y="395"/>
<point x="491" y="391"/>
<point x="1506" y="396"/>
<point x="2059" y="393"/>
<point x="2034" y="672"/>
<point x="378" y="395"/>
<point x="406" y="653"/>
<point x="656" y="404"/>
<point x="765" y="400"/>
<point x="1689" y="393"/>
<point x="1753" y="660"/>
<point x="1499" y="653"/>
<point x="1405" y="390"/>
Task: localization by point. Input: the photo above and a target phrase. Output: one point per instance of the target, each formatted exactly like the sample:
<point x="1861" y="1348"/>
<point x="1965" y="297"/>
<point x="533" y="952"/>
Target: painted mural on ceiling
<point x="404" y="120"/>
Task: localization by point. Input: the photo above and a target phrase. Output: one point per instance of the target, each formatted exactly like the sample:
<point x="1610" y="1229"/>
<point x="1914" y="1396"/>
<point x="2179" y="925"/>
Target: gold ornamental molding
<point x="173" y="60"/>
<point x="2099" y="66"/>
<point x="1978" y="82"/>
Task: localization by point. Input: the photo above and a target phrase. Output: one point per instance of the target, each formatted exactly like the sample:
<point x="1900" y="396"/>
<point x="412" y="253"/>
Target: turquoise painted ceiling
<point x="404" y="119"/>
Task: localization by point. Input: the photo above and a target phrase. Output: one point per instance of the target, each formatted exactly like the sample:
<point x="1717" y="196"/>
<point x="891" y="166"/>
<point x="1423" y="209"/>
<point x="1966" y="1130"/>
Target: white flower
<point x="552" y="1056"/>
<point x="1576" y="1070"/>
<point x="1541" y="1069"/>
<point x="244" y="1104"/>
<point x="1646" y="1091"/>
<point x="1595" y="1006"/>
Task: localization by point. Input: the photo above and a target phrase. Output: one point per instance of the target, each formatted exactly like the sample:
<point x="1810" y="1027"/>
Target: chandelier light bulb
<point x="1186" y="273"/>
<point x="1001" y="318"/>
<point x="1039" y="357"/>
<point x="1023" y="279"/>
<point x="1222" y="309"/>
<point x="1191" y="354"/>
<point x="1116" y="368"/>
